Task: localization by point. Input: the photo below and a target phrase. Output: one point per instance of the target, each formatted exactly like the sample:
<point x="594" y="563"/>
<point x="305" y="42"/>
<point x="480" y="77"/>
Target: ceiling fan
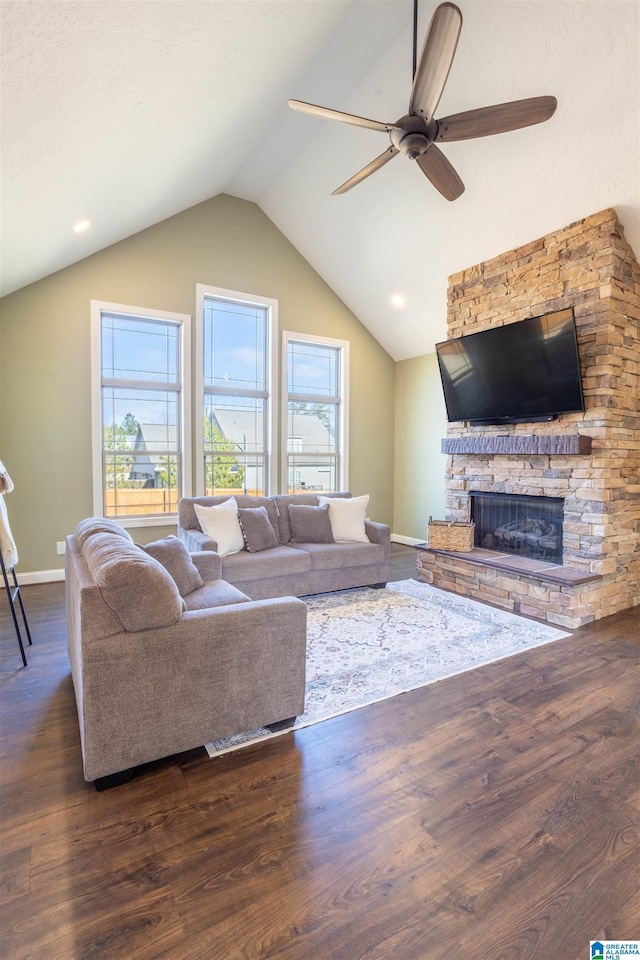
<point x="416" y="134"/>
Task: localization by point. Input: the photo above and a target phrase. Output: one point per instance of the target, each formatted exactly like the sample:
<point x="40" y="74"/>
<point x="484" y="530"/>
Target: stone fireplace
<point x="587" y="464"/>
<point x="518" y="524"/>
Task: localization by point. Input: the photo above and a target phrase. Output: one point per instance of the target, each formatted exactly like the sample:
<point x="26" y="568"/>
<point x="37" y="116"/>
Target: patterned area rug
<point x="366" y="645"/>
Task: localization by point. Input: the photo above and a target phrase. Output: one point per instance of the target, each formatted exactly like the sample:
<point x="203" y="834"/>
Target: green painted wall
<point x="45" y="399"/>
<point x="420" y="424"/>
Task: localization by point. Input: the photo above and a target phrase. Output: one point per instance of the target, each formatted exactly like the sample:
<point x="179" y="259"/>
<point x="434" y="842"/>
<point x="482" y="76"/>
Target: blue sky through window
<point x="235" y="338"/>
<point x="138" y="349"/>
<point x="313" y="368"/>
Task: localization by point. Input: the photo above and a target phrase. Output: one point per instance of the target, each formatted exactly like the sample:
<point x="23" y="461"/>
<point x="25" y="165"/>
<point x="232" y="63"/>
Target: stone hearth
<point x="589" y="460"/>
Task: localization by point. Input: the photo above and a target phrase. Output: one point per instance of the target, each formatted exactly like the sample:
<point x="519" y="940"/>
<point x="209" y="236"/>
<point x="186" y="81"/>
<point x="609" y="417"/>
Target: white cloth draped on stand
<point x="7" y="543"/>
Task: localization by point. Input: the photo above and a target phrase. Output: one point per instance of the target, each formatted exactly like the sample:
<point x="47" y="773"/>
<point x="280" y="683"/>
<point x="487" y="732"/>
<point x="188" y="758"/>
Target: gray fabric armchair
<point x="156" y="673"/>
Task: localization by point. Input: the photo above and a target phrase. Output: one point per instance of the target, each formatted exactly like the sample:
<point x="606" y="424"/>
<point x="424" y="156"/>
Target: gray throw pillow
<point x="310" y="524"/>
<point x="174" y="557"/>
<point x="257" y="529"/>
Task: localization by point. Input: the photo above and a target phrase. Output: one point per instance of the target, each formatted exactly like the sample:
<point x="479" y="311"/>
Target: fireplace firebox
<point x="519" y="524"/>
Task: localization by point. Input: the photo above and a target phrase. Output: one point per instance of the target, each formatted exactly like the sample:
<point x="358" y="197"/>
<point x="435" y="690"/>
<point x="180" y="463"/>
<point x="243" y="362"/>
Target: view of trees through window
<point x="142" y="442"/>
<point x="141" y="396"/>
<point x="314" y="377"/>
<point x="223" y="472"/>
<point x="236" y="400"/>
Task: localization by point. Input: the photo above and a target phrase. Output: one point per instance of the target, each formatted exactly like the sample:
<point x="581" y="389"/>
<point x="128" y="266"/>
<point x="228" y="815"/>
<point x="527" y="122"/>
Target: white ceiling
<point x="126" y="112"/>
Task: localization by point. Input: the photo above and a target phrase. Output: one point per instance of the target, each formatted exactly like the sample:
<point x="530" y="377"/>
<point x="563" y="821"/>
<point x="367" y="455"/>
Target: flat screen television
<point x="523" y="372"/>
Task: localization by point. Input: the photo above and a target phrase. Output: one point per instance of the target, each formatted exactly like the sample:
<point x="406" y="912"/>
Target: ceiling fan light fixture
<point x="413" y="145"/>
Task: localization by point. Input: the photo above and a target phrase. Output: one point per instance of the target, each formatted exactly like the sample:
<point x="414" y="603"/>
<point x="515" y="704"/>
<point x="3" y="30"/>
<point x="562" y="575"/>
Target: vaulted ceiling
<point x="125" y="112"/>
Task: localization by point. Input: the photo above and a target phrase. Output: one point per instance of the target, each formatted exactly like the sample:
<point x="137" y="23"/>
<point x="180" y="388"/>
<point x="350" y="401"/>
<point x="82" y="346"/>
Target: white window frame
<point x="342" y="454"/>
<point x="183" y="321"/>
<point x="271" y="425"/>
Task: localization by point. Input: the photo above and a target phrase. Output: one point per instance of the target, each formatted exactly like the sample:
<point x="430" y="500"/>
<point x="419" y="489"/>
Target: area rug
<point x="366" y="645"/>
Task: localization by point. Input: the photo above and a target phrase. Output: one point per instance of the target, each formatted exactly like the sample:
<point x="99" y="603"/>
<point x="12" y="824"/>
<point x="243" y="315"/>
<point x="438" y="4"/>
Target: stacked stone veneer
<point x="588" y="266"/>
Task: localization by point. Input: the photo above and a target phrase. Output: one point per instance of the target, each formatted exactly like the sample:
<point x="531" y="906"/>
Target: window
<point x="317" y="373"/>
<point x="235" y="430"/>
<point x="141" y="428"/>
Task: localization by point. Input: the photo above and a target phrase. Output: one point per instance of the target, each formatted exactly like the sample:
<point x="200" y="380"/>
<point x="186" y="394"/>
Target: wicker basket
<point x="453" y="535"/>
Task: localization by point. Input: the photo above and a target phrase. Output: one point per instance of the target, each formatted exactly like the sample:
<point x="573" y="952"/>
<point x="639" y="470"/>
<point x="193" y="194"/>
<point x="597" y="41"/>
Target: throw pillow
<point x="175" y="558"/>
<point x="257" y="529"/>
<point x="221" y="523"/>
<point x="347" y="517"/>
<point x="310" y="524"/>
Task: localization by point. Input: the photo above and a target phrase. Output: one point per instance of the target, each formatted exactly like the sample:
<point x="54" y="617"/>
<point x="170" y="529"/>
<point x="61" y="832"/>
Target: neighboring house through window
<point x="141" y="403"/>
<point x="235" y="376"/>
<point x="316" y="373"/>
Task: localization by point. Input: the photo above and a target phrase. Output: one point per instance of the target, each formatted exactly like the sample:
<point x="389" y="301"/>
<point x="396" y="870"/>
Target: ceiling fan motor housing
<point x="413" y="136"/>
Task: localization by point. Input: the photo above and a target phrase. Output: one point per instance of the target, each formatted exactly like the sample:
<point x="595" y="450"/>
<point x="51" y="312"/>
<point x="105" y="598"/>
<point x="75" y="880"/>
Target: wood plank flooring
<point x="495" y="814"/>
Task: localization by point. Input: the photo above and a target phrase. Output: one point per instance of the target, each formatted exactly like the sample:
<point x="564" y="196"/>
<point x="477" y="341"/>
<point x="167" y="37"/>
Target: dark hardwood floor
<point x="495" y="814"/>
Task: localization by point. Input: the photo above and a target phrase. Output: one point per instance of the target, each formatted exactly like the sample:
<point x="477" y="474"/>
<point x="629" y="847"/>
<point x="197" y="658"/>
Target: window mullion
<point x="235" y="392"/>
<point x="169" y="386"/>
<point x="312" y="398"/>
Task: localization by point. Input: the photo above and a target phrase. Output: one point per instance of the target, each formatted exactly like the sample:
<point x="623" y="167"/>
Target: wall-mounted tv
<point x="523" y="372"/>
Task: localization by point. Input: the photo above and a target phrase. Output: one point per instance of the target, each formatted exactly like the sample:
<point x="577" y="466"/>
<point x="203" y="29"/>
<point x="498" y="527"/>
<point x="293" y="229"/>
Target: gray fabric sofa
<point x="290" y="568"/>
<point x="156" y="673"/>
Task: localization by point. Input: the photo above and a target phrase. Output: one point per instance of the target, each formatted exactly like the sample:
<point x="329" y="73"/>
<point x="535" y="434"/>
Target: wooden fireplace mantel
<point x="550" y="443"/>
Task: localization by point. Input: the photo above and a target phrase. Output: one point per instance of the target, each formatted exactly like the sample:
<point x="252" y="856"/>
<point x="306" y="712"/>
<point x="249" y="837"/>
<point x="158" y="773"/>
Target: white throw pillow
<point x="221" y="523"/>
<point x="347" y="517"/>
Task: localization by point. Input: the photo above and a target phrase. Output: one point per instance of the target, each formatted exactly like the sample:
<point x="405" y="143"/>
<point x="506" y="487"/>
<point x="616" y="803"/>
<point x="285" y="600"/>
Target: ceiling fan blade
<point x="370" y="168"/>
<point x="496" y="119"/>
<point x="437" y="168"/>
<point x="435" y="60"/>
<point x="327" y="114"/>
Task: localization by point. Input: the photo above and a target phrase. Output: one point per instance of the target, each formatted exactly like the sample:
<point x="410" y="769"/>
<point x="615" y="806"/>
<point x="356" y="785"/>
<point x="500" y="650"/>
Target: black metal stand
<point x="13" y="594"/>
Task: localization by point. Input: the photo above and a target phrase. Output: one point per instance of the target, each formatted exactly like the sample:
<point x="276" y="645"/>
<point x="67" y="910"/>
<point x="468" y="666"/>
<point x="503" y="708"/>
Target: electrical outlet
<point x="61" y="547"/>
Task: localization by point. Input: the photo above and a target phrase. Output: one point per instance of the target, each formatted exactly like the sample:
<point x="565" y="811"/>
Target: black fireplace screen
<point x="519" y="524"/>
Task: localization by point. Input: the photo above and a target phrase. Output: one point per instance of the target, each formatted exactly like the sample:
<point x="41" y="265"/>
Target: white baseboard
<point x="40" y="576"/>
<point x="410" y="541"/>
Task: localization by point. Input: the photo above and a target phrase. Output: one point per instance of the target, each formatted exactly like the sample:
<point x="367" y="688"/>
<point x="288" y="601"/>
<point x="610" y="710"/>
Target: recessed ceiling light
<point x="398" y="300"/>
<point x="81" y="226"/>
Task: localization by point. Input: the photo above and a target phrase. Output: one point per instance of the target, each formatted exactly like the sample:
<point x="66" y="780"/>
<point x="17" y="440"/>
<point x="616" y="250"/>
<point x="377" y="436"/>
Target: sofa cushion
<point x="215" y="593"/>
<point x="347" y="518"/>
<point x="310" y="524"/>
<point x="339" y="556"/>
<point x="87" y="528"/>
<point x="278" y="562"/>
<point x="220" y="522"/>
<point x="138" y="589"/>
<point x="257" y="529"/>
<point x="174" y="557"/>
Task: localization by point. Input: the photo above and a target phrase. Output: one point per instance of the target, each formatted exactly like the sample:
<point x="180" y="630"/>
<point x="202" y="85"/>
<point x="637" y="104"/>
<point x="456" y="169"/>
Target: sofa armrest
<point x="379" y="533"/>
<point x="208" y="563"/>
<point x="195" y="541"/>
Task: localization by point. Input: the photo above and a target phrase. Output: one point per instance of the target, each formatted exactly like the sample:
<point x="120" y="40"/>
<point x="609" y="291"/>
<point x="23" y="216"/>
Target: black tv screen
<point x="521" y="372"/>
